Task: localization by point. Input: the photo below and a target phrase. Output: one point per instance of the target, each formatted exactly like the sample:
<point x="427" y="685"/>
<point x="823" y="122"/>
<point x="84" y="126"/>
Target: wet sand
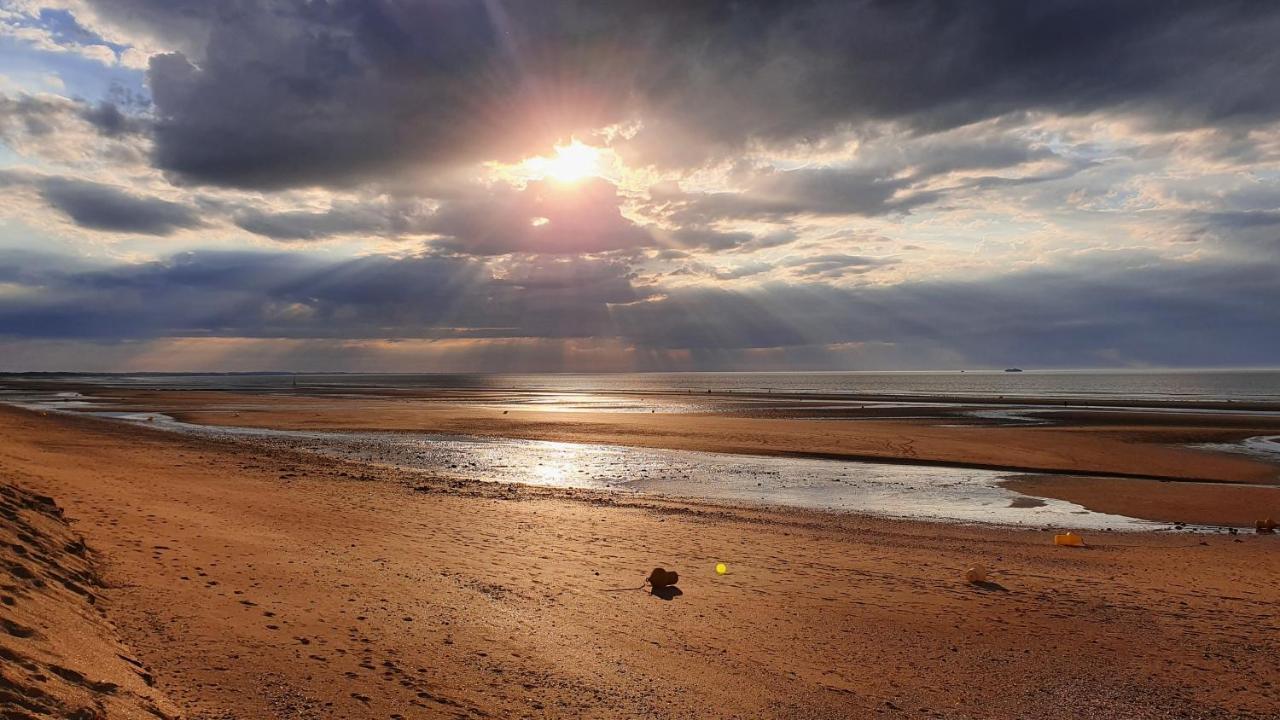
<point x="265" y="584"/>
<point x="1123" y="450"/>
<point x="1140" y="449"/>
<point x="1231" y="505"/>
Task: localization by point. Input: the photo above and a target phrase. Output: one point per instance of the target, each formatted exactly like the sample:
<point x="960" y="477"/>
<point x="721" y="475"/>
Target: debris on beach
<point x="661" y="582"/>
<point x="975" y="574"/>
<point x="1266" y="526"/>
<point x="660" y="578"/>
<point x="1068" y="539"/>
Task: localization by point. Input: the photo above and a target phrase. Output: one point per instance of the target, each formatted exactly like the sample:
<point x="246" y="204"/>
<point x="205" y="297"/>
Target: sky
<point x="547" y="185"/>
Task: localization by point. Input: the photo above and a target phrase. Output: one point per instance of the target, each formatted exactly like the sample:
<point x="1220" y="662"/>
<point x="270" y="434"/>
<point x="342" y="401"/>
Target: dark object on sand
<point x="660" y="578"/>
<point x="661" y="584"/>
<point x="1013" y="369"/>
<point x="1263" y="526"/>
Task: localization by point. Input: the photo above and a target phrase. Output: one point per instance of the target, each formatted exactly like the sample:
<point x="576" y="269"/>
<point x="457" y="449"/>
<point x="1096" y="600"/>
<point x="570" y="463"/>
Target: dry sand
<point x="59" y="655"/>
<point x="261" y="586"/>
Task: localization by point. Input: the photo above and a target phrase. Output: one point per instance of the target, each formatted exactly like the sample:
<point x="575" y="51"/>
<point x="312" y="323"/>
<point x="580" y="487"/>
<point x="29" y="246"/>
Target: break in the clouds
<point x="696" y="185"/>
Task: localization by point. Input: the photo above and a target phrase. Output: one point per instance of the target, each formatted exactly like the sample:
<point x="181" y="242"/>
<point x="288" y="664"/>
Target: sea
<point x="1101" y="385"/>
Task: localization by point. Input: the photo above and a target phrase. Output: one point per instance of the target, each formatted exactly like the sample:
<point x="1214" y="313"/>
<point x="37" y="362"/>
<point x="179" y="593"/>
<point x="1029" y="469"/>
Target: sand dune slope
<point x="58" y="655"/>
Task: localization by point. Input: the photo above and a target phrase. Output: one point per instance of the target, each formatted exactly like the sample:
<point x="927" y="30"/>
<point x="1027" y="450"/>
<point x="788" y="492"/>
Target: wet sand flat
<point x="1143" y="448"/>
<point x="1208" y="504"/>
<point x="1119" y="450"/>
<point x="260" y="584"/>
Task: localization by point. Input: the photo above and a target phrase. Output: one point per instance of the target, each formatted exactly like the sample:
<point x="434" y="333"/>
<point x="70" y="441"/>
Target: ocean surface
<point x="1108" y="386"/>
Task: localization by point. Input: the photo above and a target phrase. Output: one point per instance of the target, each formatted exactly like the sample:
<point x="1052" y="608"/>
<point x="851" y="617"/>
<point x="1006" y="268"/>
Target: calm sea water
<point x="1236" y="385"/>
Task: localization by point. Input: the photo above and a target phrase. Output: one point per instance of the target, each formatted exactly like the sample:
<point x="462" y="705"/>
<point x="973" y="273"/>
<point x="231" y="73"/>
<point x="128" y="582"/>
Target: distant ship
<point x="1013" y="369"/>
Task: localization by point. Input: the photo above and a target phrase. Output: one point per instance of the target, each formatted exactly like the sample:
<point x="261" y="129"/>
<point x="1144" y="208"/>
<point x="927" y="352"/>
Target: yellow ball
<point x="721" y="568"/>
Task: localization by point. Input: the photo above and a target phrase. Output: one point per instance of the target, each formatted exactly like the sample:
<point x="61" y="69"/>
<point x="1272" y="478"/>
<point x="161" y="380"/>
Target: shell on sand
<point x="975" y="574"/>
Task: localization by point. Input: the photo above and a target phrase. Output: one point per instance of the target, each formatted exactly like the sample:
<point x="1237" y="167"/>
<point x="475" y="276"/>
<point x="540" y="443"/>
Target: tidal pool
<point x="887" y="489"/>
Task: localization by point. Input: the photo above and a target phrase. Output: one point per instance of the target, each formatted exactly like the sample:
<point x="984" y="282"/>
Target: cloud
<point x="1113" y="309"/>
<point x="107" y="117"/>
<point x="240" y="294"/>
<point x="294" y="93"/>
<point x="836" y="265"/>
<point x="1140" y="311"/>
<point x="105" y="207"/>
<point x="63" y="129"/>
<point x="303" y="225"/>
<point x="709" y="238"/>
<point x="338" y="93"/>
<point x="53" y="30"/>
<point x="30" y="115"/>
<point x="778" y="195"/>
<point x="543" y="217"/>
<point x="813" y="143"/>
<point x="1243" y="219"/>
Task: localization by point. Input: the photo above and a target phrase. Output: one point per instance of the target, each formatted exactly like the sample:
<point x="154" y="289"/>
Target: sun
<point x="571" y="163"/>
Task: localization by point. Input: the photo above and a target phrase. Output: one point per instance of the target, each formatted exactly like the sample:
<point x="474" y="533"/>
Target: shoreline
<point x="1124" y="466"/>
<point x="267" y="584"/>
<point x="1205" y="505"/>
<point x="74" y="381"/>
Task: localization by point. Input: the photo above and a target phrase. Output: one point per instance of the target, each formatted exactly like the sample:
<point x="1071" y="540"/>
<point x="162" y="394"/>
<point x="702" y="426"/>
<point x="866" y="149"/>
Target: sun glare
<point x="571" y="163"/>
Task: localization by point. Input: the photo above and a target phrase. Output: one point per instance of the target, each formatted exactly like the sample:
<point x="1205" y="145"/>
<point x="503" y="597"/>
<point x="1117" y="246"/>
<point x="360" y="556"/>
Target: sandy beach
<point x="254" y="585"/>
<point x="1133" y="462"/>
<point x="722" y="360"/>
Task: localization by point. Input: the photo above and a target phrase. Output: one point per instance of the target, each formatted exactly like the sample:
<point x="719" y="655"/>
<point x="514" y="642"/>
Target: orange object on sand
<point x="1068" y="539"/>
<point x="975" y="574"/>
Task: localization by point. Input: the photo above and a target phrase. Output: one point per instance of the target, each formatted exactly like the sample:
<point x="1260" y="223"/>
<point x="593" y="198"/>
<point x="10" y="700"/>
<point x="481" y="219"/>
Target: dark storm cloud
<point x="104" y="207"/>
<point x="287" y="93"/>
<point x="1140" y="312"/>
<point x="292" y="296"/>
<point x="1113" y="310"/>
